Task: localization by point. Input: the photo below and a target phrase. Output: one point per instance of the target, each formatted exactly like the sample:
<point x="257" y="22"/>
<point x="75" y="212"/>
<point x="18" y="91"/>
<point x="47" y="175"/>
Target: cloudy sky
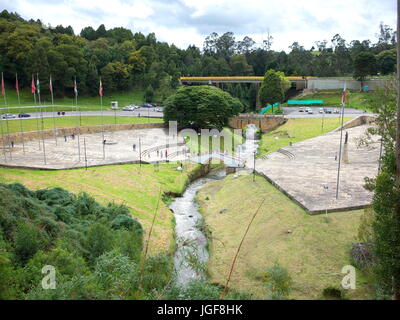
<point x="185" y="22"/>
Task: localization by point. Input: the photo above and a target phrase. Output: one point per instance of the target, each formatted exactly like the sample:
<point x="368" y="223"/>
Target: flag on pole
<point x="51" y="86"/>
<point x="2" y="85"/>
<point x="16" y="83"/>
<point x="75" y="88"/>
<point x="101" y="89"/>
<point x="37" y="84"/>
<point x="33" y="88"/>
<point x="344" y="94"/>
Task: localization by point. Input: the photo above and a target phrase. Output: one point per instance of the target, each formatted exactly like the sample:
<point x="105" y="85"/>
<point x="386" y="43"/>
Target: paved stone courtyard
<point x="308" y="172"/>
<point x="118" y="149"/>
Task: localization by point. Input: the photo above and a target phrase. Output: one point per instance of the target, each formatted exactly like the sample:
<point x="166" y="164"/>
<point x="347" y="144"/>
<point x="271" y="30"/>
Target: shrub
<point x="28" y="240"/>
<point x="115" y="274"/>
<point x="278" y="282"/>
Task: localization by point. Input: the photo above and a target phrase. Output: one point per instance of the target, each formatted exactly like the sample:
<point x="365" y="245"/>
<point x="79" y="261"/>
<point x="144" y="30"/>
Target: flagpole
<point x="341" y="139"/>
<point x="79" y="127"/>
<point x="2" y="138"/>
<point x="33" y="90"/>
<point x="20" y="119"/>
<point x="8" y="111"/>
<point x="54" y="112"/>
<point x="41" y="116"/>
<point x="102" y="119"/>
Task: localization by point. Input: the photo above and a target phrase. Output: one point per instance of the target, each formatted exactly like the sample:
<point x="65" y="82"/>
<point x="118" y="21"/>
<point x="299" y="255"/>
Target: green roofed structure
<point x="305" y="102"/>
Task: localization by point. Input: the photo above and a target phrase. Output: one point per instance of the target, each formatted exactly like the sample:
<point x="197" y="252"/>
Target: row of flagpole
<point x="35" y="90"/>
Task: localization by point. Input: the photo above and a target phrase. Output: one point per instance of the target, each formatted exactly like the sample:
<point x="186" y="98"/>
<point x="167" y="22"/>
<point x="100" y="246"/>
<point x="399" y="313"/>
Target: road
<point x="141" y="112"/>
<point x="293" y="112"/>
<point x="289" y="112"/>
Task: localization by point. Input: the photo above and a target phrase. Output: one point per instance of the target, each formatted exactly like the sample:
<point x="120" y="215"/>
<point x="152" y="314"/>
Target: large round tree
<point x="201" y="107"/>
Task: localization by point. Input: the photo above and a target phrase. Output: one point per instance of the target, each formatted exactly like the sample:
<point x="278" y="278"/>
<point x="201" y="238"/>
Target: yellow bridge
<point x="299" y="83"/>
<point x="240" y="79"/>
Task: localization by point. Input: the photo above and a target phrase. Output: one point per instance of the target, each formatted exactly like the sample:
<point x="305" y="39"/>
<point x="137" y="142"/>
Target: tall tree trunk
<point x="396" y="277"/>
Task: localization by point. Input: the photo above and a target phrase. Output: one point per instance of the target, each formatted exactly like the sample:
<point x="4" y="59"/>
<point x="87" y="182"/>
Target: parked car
<point x="23" y="115"/>
<point x="146" y="105"/>
<point x="310" y="111"/>
<point x="336" y="111"/>
<point x="301" y="109"/>
<point x="328" y="111"/>
<point x="159" y="110"/>
<point x="321" y="110"/>
<point x="128" y="108"/>
<point x="8" y="116"/>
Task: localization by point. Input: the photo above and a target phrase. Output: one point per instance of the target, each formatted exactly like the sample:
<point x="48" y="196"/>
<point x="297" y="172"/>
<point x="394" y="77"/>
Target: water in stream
<point x="191" y="251"/>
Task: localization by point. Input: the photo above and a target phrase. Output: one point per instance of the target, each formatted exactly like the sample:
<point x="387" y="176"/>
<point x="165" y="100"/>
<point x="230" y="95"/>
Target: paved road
<point x="293" y="112"/>
<point x="142" y="112"/>
<point x="290" y="113"/>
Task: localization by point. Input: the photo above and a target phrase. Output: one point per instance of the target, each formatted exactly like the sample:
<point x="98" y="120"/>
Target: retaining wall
<point x="61" y="132"/>
<point x="330" y="84"/>
<point x="263" y="122"/>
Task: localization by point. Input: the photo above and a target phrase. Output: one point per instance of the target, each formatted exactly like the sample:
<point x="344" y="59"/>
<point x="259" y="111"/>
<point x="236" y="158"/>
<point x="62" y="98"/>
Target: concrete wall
<point x="359" y="121"/>
<point x="263" y="122"/>
<point x="61" y="132"/>
<point x="326" y="84"/>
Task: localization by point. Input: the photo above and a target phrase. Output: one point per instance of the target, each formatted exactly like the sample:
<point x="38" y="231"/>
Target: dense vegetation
<point x="96" y="250"/>
<point x="384" y="218"/>
<point x="125" y="59"/>
<point x="201" y="107"/>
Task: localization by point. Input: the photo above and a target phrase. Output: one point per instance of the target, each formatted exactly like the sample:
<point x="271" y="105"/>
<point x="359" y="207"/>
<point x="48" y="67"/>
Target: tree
<point x="201" y="107"/>
<point x="364" y="65"/>
<point x="240" y="67"/>
<point x="386" y="61"/>
<point x="386" y="195"/>
<point x="149" y="94"/>
<point x="273" y="87"/>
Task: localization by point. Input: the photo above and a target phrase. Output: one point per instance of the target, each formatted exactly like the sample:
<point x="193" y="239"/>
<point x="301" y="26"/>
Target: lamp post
<point x="254" y="165"/>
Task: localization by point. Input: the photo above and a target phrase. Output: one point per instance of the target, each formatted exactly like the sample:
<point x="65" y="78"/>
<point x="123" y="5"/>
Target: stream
<point x="191" y="253"/>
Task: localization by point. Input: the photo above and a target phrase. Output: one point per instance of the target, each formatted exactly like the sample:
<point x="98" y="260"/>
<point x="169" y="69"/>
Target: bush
<point x="278" y="282"/>
<point x="99" y="240"/>
<point x="115" y="274"/>
<point x="28" y="240"/>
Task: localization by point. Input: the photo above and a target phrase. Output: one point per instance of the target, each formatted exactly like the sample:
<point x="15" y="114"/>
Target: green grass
<point x="134" y="96"/>
<point x="193" y="145"/>
<point x="333" y="98"/>
<point x="295" y="130"/>
<point x="132" y="185"/>
<point x="313" y="253"/>
<point x="65" y="122"/>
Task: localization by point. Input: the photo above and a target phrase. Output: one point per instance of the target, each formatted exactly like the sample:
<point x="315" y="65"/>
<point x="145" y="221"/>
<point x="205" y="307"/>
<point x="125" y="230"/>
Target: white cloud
<point x="185" y="22"/>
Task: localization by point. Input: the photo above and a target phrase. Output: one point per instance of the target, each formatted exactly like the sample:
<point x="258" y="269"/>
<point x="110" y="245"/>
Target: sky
<point x="186" y="22"/>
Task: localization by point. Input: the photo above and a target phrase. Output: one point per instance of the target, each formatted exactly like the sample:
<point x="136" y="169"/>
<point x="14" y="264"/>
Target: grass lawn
<point x="295" y="130"/>
<point x="132" y="185"/>
<point x="235" y="141"/>
<point x="65" y="122"/>
<point x="333" y="98"/>
<point x="134" y="96"/>
<point x="314" y="253"/>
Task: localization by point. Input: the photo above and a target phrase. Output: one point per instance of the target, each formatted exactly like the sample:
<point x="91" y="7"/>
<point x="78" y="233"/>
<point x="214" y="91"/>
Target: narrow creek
<point x="191" y="251"/>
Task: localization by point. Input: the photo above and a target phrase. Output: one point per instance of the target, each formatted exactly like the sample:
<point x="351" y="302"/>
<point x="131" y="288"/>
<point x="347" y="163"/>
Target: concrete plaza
<point x="307" y="171"/>
<point x="118" y="149"/>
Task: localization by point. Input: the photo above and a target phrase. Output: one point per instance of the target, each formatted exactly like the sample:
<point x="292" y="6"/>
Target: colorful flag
<point x="16" y="83"/>
<point x="37" y="84"/>
<point x="3" y="92"/>
<point x="75" y="88"/>
<point x="33" y="88"/>
<point x="344" y="94"/>
<point x="101" y="89"/>
<point x="51" y="86"/>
